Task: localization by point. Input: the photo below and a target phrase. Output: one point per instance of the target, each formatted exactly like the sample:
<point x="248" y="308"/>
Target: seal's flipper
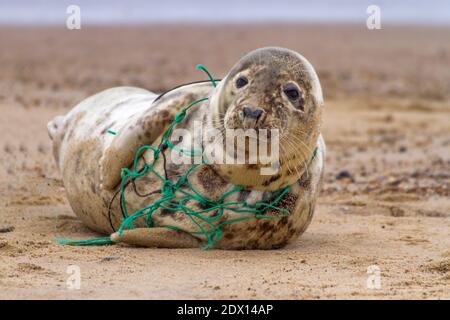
<point x="56" y="131"/>
<point x="54" y="127"/>
<point x="143" y="130"/>
<point x="156" y="238"/>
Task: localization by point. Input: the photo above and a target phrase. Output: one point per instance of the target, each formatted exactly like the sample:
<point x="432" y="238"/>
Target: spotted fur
<point x="90" y="158"/>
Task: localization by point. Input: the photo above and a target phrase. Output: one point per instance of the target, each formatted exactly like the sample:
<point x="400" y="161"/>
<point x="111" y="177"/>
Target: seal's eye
<point x="294" y="95"/>
<point x="291" y="92"/>
<point x="241" y="81"/>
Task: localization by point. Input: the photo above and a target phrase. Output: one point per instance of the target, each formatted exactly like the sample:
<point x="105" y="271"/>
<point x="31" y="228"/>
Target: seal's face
<point x="273" y="88"/>
<point x="262" y="97"/>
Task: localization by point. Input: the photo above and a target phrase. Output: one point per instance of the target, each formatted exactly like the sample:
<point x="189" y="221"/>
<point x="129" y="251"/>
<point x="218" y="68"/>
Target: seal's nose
<point x="252" y="112"/>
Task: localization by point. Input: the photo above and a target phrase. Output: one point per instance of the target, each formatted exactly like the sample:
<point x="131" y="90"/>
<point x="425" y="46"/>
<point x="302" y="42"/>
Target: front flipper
<point x="156" y="238"/>
<point x="143" y="129"/>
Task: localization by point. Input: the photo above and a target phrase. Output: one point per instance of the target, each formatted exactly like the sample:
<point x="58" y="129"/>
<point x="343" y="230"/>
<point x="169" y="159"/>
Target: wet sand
<point x="386" y="194"/>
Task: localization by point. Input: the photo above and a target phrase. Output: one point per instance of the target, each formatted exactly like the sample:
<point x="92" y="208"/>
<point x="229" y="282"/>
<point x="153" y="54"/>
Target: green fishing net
<point x="175" y="195"/>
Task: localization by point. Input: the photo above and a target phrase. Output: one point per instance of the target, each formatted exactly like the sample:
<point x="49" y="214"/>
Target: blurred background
<point x="232" y="11"/>
<point x="386" y="121"/>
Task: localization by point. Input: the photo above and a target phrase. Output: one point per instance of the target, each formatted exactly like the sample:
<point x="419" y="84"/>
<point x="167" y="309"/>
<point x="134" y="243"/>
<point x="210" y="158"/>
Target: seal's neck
<point x="239" y="159"/>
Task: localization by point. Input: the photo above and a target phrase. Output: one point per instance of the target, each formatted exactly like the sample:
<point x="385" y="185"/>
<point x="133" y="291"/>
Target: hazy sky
<point x="145" y="11"/>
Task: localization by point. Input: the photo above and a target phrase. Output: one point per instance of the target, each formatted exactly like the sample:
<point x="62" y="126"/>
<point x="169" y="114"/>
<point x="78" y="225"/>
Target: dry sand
<point x="386" y="193"/>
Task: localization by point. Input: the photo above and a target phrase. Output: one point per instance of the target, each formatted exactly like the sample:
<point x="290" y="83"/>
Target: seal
<point x="268" y="89"/>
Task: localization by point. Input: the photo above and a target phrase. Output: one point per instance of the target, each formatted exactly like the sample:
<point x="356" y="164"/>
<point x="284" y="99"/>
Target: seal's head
<point x="274" y="89"/>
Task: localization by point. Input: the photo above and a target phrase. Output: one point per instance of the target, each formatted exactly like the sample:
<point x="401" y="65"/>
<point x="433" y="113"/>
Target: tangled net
<point x="174" y="195"/>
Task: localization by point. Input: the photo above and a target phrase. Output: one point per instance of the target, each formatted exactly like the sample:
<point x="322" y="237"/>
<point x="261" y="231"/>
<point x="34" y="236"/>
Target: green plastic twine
<point x="174" y="195"/>
<point x="202" y="67"/>
<point x="89" y="242"/>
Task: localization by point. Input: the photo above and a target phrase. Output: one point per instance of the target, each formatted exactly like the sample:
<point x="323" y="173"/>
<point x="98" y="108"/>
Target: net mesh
<point x="181" y="196"/>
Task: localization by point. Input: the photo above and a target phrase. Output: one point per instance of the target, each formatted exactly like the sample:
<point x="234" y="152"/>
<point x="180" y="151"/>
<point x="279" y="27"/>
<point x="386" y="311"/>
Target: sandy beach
<point x="385" y="200"/>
